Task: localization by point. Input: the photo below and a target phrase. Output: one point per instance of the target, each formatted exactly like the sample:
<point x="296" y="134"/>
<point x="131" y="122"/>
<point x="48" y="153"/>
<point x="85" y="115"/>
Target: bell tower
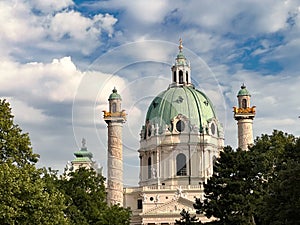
<point x="244" y="115"/>
<point x="114" y="118"/>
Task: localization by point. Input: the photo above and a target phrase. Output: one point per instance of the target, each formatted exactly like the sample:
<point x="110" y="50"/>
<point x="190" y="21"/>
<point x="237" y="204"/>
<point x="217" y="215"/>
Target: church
<point x="179" y="143"/>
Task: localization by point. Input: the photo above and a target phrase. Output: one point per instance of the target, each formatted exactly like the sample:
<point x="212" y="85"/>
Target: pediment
<point x="172" y="206"/>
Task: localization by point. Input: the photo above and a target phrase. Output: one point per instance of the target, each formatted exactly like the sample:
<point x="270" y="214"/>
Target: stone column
<point x="114" y="118"/>
<point x="115" y="164"/>
<point x="245" y="133"/>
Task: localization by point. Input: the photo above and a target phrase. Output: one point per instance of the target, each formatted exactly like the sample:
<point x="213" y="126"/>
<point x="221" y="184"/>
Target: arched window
<point x="181" y="165"/>
<point x="174" y="76"/>
<point x="149" y="167"/>
<point x="187" y="77"/>
<point x="244" y="103"/>
<point x="114" y="107"/>
<point x="180" y="77"/>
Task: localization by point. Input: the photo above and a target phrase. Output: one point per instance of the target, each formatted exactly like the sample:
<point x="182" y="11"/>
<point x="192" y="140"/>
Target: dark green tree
<point x="259" y="186"/>
<point x="281" y="203"/>
<point x="230" y="194"/>
<point x="187" y="219"/>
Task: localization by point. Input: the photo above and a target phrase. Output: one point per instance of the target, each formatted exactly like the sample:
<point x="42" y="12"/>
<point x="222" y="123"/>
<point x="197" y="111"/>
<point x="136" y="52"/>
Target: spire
<point x="180" y="45"/>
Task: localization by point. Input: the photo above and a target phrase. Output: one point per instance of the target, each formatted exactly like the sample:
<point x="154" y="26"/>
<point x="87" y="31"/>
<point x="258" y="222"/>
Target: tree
<point x="259" y="186"/>
<point x="25" y="196"/>
<point x="14" y="145"/>
<point x="281" y="203"/>
<point x="187" y="219"/>
<point x="116" y="215"/>
<point x="86" y="197"/>
<point x="24" y="199"/>
<point x="230" y="194"/>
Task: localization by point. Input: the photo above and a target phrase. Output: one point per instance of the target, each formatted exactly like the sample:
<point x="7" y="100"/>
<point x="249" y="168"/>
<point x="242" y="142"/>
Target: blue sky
<point x="61" y="59"/>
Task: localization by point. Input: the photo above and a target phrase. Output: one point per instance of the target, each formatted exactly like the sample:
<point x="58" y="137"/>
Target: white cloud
<point x="18" y="24"/>
<point x="25" y="113"/>
<point x="56" y="81"/>
<point x="49" y="6"/>
<point x="73" y="25"/>
<point x="53" y="30"/>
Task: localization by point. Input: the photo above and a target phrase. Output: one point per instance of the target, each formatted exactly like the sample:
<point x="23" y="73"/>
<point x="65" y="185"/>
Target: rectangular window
<point x="140" y="204"/>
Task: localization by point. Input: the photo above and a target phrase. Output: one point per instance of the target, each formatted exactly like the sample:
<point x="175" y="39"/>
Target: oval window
<point x="213" y="128"/>
<point x="180" y="126"/>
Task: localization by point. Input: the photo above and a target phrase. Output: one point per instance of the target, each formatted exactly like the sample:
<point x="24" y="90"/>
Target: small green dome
<point x="114" y="95"/>
<point x="184" y="100"/>
<point x="243" y="91"/>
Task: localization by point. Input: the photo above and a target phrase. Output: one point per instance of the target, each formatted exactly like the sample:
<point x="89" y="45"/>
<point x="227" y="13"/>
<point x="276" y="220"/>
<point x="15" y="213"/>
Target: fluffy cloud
<point x="56" y="81"/>
<point x="50" y="25"/>
<point x="72" y="25"/>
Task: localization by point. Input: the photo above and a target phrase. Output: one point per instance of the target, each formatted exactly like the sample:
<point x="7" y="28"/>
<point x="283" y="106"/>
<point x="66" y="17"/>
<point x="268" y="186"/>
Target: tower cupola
<point x="244" y="115"/>
<point x="181" y="69"/>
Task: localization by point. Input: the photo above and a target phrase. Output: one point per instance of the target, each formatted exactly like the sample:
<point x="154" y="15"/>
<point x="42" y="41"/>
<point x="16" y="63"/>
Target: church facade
<point x="179" y="142"/>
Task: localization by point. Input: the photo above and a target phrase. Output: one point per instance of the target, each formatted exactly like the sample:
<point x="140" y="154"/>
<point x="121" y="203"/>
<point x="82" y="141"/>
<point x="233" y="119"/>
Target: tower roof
<point x="243" y="91"/>
<point x="83" y="155"/>
<point x="114" y="95"/>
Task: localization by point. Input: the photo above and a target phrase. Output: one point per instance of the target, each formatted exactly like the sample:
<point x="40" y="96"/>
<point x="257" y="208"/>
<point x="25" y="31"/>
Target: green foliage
<point x="281" y="203"/>
<point x="86" y="197"/>
<point x="85" y="193"/>
<point x="37" y="196"/>
<point x="187" y="219"/>
<point x="230" y="194"/>
<point x="116" y="215"/>
<point x="259" y="186"/>
<point x="14" y="145"/>
<point x="24" y="199"/>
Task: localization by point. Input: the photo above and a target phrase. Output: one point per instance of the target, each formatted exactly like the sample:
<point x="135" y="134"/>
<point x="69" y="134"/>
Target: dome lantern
<point x="181" y="69"/>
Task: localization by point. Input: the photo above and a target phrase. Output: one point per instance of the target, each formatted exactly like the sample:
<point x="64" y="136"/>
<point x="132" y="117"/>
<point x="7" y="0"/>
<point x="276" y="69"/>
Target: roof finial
<point x="180" y="45"/>
<point x="83" y="143"/>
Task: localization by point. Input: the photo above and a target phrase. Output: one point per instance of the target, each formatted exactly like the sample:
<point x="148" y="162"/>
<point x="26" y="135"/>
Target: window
<point x="174" y="76"/>
<point x="181" y="165"/>
<point x="114" y="107"/>
<point x="139" y="204"/>
<point x="180" y="126"/>
<point x="149" y="167"/>
<point x="180" y="77"/>
<point x="244" y="103"/>
<point x="187" y="76"/>
<point x="213" y="129"/>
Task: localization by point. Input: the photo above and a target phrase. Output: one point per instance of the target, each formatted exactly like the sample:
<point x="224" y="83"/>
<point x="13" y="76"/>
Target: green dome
<point x="114" y="95"/>
<point x="243" y="91"/>
<point x="184" y="100"/>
